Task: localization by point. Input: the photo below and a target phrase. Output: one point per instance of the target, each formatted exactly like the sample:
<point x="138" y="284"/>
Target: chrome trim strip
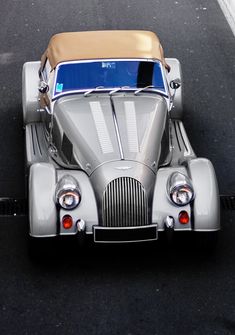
<point x="206" y="230"/>
<point x="107" y="90"/>
<point x="177" y="229"/>
<point x="117" y="129"/>
<point x="120" y="242"/>
<point x="42" y="236"/>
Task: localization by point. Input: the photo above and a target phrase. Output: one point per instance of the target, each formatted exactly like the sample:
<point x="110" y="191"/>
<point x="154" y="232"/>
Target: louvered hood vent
<point x="124" y="204"/>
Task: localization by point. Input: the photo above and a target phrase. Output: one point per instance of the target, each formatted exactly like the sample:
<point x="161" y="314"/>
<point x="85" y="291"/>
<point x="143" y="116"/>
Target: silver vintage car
<point x="106" y="150"/>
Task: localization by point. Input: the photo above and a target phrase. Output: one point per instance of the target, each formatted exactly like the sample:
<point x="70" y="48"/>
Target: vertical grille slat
<point x="116" y="222"/>
<point x="124" y="204"/>
<point x="122" y="197"/>
<point x="111" y="199"/>
<point x="136" y="204"/>
<point x="126" y="197"/>
<point x="130" y="202"/>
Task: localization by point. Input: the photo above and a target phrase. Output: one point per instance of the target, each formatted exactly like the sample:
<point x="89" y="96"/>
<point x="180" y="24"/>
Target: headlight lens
<point x="68" y="195"/>
<point x="182" y="195"/>
<point x="180" y="189"/>
<point x="68" y="199"/>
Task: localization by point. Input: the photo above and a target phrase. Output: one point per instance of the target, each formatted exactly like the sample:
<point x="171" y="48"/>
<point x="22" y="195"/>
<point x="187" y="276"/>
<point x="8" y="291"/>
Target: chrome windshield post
<point x="50" y="112"/>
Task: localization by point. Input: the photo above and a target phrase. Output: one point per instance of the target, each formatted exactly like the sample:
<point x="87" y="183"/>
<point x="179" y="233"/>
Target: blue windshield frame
<point x="73" y="77"/>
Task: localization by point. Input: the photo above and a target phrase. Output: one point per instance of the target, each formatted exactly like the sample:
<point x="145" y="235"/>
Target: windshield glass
<point x="76" y="76"/>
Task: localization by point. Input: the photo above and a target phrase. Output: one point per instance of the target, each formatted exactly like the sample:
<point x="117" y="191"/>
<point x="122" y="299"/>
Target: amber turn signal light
<point x="183" y="217"/>
<point x="67" y="221"/>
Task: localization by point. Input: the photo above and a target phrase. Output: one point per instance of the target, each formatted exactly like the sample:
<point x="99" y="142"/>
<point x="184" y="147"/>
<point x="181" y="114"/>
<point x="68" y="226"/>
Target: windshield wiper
<point x="93" y="90"/>
<point x="115" y="90"/>
<point x="143" y="89"/>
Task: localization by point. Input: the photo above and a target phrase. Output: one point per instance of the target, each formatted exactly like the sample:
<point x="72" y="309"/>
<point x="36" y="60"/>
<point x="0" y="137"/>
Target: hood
<point x="103" y="129"/>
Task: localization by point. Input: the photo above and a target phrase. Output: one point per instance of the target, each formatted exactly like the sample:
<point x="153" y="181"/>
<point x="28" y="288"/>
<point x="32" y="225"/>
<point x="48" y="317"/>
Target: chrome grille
<point x="124" y="204"/>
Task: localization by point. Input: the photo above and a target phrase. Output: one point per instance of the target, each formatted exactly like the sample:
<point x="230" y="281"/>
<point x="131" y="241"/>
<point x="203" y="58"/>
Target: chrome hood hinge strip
<point x="117" y="129"/>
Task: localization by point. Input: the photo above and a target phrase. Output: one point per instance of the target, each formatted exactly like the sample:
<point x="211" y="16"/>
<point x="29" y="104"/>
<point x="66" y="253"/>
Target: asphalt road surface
<point x="131" y="290"/>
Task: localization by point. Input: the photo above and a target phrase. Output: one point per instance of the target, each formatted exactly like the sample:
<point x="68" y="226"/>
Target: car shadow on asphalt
<point x="160" y="255"/>
<point x="66" y="256"/>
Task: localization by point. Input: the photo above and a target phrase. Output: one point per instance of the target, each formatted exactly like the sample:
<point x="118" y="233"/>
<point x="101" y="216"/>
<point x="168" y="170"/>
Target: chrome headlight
<point x="68" y="195"/>
<point x="180" y="189"/>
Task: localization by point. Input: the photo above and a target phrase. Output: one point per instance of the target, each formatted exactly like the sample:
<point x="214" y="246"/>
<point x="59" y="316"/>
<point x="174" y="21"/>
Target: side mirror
<point x="43" y="88"/>
<point x="175" y="84"/>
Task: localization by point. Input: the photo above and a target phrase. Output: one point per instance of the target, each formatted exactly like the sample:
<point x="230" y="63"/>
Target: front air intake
<point x="124" y="204"/>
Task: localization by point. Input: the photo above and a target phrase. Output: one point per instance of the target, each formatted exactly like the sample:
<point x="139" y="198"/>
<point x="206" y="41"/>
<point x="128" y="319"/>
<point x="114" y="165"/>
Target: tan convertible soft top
<point x="103" y="44"/>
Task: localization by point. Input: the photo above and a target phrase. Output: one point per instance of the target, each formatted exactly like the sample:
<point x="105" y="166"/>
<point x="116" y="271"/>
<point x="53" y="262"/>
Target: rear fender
<point x="175" y="73"/>
<point x="30" y="84"/>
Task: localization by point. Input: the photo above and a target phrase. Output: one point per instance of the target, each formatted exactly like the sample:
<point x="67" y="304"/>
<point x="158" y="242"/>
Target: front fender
<point x="44" y="216"/>
<point x="162" y="206"/>
<point x="206" y="206"/>
<point x="87" y="209"/>
<point x="42" y="209"/>
<point x="204" y="211"/>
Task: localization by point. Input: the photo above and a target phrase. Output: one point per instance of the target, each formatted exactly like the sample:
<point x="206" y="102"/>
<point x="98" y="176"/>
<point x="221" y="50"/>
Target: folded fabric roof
<point x="103" y="44"/>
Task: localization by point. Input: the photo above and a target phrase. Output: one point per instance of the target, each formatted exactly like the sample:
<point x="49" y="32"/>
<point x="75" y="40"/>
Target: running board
<point x="181" y="147"/>
<point x="36" y="144"/>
